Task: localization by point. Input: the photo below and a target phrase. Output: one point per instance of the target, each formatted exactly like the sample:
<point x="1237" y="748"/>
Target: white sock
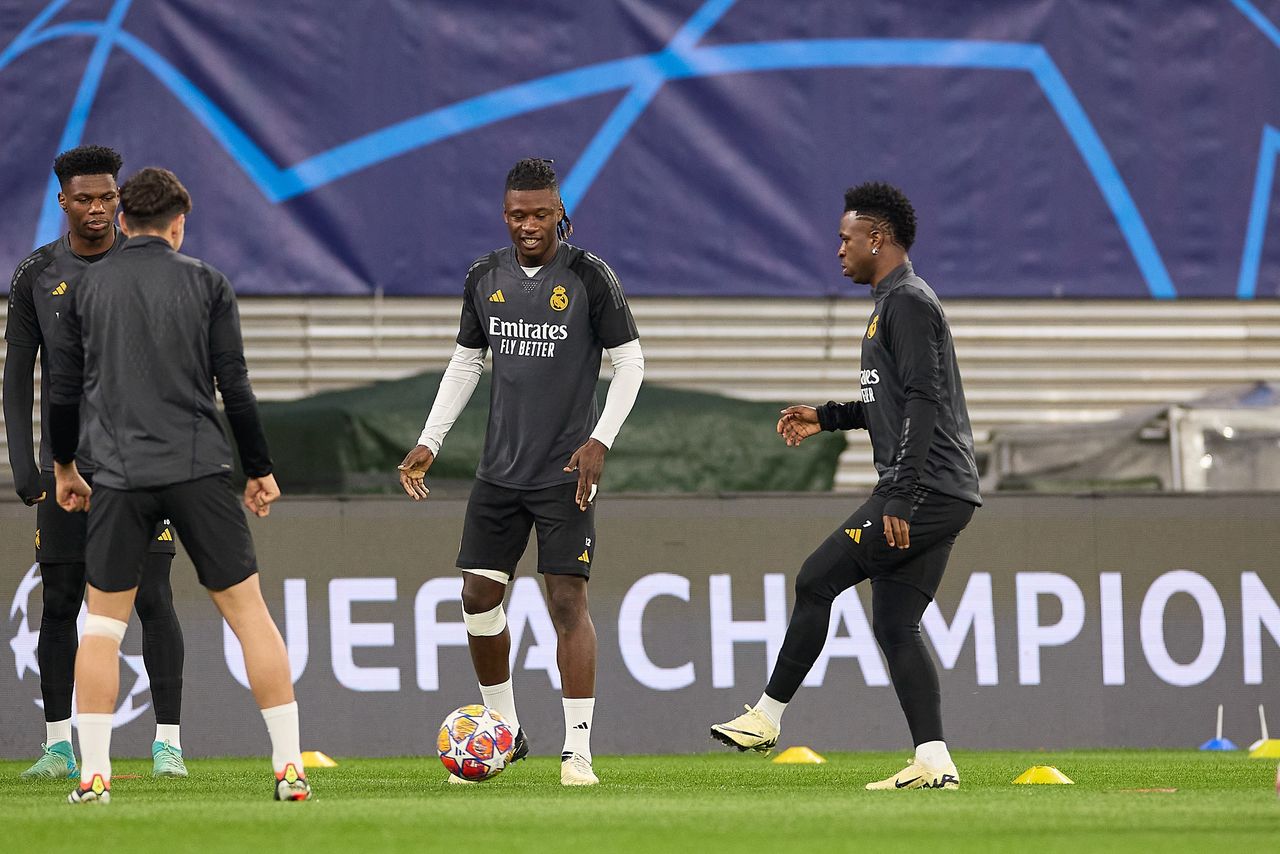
<point x="773" y="708"/>
<point x="933" y="754"/>
<point x="577" y="725"/>
<point x="502" y="699"/>
<point x="282" y="726"/>
<point x="56" y="731"/>
<point x="95" y="747"/>
<point x="169" y="733"/>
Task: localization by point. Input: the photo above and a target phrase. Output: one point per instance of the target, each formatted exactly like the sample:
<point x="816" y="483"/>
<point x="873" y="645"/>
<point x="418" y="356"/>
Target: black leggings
<point x="895" y="619"/>
<point x="162" y="645"/>
<point x="900" y="578"/>
<point x="163" y="650"/>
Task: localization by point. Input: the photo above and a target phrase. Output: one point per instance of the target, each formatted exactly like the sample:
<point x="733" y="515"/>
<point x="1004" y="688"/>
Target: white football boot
<point x="752" y="730"/>
<point x="917" y="776"/>
<point x="575" y="770"/>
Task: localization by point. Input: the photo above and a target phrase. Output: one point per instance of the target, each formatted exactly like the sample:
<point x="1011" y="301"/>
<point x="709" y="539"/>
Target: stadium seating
<point x="1023" y="361"/>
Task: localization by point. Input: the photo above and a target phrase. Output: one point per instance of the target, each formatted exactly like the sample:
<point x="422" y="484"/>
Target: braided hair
<point x="535" y="173"/>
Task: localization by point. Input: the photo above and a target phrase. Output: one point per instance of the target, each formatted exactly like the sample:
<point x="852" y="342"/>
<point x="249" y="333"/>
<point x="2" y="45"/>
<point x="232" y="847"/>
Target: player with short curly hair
<point x="43" y="285"/>
<point x="912" y="404"/>
<point x="886" y="209"/>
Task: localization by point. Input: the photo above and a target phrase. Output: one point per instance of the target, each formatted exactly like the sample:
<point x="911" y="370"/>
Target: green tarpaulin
<point x="674" y="441"/>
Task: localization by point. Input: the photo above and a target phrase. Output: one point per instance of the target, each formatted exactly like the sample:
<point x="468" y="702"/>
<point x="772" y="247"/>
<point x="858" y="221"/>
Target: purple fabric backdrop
<point x="1053" y="148"/>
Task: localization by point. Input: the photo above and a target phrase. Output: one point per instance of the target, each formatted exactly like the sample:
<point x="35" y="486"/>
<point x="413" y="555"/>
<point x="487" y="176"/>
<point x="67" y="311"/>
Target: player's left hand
<point x="898" y="532"/>
<point x="260" y="493"/>
<point x="588" y="462"/>
<point x="413" y="472"/>
<point x="73" y="492"/>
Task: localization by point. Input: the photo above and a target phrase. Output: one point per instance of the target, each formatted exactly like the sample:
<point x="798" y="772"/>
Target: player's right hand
<point x="73" y="491"/>
<point x="797" y="424"/>
<point x="413" y="472"/>
<point x="260" y="493"/>
<point x="30" y="492"/>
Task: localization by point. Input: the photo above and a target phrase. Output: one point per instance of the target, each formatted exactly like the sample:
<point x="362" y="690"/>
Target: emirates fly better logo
<point x="23" y="643"/>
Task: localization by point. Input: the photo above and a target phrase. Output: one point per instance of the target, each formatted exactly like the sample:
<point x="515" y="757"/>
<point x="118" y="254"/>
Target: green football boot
<point x="58" y="762"/>
<point x="166" y="760"/>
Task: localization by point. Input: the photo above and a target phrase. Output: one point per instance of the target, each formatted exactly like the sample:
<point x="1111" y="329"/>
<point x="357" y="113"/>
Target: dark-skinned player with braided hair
<point x="545" y="309"/>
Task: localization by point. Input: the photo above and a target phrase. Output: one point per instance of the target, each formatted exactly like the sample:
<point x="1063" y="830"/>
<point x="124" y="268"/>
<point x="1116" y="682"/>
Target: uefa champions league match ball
<point x="475" y="743"/>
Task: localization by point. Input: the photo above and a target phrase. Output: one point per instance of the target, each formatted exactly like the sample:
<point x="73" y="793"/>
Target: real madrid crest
<point x="871" y="330"/>
<point x="559" y="299"/>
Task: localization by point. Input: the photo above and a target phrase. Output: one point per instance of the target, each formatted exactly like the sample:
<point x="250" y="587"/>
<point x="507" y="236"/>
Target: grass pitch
<point x="689" y="804"/>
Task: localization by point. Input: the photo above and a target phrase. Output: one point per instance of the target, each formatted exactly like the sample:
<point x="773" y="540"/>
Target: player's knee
<point x="145" y="606"/>
<point x="812" y="583"/>
<point x="567" y="605"/>
<point x="96" y="625"/>
<point x="154" y="603"/>
<point x="485" y="624"/>
<point x="63" y="591"/>
<point x="479" y="601"/>
<point x="891" y="632"/>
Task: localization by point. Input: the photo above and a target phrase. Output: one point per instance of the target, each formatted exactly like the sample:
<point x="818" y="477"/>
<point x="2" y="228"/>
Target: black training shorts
<point x="60" y="536"/>
<point x="206" y="513"/>
<point x="496" y="531"/>
<point x="934" y="526"/>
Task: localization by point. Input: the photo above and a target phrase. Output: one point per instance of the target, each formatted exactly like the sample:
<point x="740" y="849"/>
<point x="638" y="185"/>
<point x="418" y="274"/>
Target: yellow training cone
<point x="798" y="756"/>
<point x="1269" y="749"/>
<point x="316" y="759"/>
<point x="1043" y="774"/>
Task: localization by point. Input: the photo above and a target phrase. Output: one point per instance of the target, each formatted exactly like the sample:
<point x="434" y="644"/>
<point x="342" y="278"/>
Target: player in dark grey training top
<point x="38" y="296"/>
<point x="146" y="340"/>
<point x="913" y="404"/>
<point x="546" y="310"/>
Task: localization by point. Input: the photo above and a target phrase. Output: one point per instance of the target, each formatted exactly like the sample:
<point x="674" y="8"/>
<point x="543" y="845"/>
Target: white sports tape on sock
<point x="491" y="574"/>
<point x="96" y="624"/>
<point x="486" y="625"/>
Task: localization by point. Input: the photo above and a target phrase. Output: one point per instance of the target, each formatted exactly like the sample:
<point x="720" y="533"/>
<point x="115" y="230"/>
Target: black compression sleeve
<point x="64" y="431"/>
<point x="19" y="401"/>
<point x="842" y="416"/>
<point x="66" y="368"/>
<point x="226" y="352"/>
<point x="255" y="457"/>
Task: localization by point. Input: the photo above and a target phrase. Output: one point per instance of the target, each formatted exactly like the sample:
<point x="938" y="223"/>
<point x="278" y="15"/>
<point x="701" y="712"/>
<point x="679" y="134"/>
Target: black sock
<point x="895" y="618"/>
<point x="825" y="574"/>
<point x="162" y="647"/>
<point x="63" y="591"/>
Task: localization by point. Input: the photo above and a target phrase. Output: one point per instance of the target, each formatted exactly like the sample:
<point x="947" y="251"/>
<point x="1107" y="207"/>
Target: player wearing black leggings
<point x="912" y="403"/>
